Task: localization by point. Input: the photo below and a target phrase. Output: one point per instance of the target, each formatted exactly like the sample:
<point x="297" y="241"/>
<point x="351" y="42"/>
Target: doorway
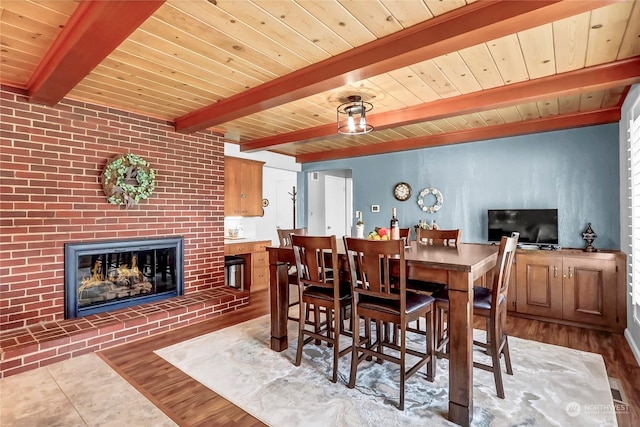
<point x="330" y="203"/>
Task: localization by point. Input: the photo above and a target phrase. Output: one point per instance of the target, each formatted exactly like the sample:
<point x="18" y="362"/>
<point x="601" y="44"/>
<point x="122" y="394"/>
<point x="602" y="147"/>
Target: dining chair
<point x="378" y="282"/>
<point x="433" y="237"/>
<point x="438" y="237"/>
<point x="284" y="235"/>
<point x="492" y="305"/>
<point x="405" y="233"/>
<point x="317" y="287"/>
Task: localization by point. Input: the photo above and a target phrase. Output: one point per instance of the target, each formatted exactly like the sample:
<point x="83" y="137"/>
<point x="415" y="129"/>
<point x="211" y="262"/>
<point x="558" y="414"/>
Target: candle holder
<point x="589" y="236"/>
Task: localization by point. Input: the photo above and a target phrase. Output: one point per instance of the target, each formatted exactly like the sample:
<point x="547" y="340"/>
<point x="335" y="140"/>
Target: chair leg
<point x="505" y="346"/>
<point x="357" y="340"/>
<point x="430" y="336"/>
<point x="403" y="358"/>
<point x="318" y="322"/>
<point x="507" y="356"/>
<point x="379" y="338"/>
<point x="495" y="357"/>
<point x="301" y="323"/>
<point x="332" y="335"/>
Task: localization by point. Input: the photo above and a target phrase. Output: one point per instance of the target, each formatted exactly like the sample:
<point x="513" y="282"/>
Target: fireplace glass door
<point x="105" y="276"/>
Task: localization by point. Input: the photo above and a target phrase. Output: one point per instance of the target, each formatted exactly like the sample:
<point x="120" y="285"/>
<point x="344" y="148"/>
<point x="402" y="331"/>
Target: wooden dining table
<point x="459" y="267"/>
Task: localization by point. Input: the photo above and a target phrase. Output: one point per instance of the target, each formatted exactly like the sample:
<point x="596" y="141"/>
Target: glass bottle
<point x="359" y="227"/>
<point x="434" y="226"/>
<point x="394" y="226"/>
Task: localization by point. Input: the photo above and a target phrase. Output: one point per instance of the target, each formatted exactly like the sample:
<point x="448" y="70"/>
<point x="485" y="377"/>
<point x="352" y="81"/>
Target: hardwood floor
<point x="189" y="403"/>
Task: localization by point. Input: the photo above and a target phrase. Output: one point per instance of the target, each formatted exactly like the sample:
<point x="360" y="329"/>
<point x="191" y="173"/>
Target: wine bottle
<point x="359" y="227"/>
<point x="394" y="226"/>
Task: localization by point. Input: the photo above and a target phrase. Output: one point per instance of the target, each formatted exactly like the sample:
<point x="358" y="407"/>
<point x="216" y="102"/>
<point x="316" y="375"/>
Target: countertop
<point x="232" y="241"/>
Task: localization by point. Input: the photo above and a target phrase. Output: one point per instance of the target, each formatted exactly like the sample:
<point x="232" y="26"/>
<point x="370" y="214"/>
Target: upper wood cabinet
<point x="242" y="187"/>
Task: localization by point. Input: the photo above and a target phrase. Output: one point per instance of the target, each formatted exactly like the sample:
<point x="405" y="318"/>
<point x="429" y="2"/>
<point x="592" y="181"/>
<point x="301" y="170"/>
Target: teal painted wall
<point x="575" y="171"/>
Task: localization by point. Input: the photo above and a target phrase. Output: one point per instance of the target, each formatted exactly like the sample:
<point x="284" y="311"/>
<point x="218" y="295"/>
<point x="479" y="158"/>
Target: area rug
<point x="551" y="385"/>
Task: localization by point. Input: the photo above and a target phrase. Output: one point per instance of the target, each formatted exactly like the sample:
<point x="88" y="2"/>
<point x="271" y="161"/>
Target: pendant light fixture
<point x="352" y="116"/>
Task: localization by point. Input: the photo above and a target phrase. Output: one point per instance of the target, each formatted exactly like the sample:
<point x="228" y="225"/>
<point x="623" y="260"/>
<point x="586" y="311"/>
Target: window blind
<point x="634" y="157"/>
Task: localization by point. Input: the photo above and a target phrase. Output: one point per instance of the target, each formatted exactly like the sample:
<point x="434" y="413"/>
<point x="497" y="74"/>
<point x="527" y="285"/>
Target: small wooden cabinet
<point x="539" y="285"/>
<point x="589" y="291"/>
<point x="256" y="262"/>
<point x="242" y="187"/>
<point x="572" y="286"/>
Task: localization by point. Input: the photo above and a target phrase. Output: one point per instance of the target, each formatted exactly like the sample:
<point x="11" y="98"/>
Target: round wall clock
<point x="402" y="191"/>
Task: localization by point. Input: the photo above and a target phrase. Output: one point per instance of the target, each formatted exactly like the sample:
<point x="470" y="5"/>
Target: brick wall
<point x="51" y="161"/>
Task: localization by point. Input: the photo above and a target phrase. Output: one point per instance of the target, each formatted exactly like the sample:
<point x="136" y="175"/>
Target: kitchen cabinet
<point x="242" y="187"/>
<point x="571" y="286"/>
<point x="256" y="262"/>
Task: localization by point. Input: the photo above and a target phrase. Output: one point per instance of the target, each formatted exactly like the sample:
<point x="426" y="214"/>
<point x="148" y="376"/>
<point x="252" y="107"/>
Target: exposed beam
<point x="464" y="27"/>
<point x="565" y="121"/>
<point x="599" y="77"/>
<point x="94" y="30"/>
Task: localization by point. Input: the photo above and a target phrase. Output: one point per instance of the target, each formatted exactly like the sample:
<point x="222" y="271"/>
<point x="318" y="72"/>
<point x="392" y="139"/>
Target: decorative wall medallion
<point x="432" y="208"/>
<point x="402" y="191"/>
<point x="127" y="179"/>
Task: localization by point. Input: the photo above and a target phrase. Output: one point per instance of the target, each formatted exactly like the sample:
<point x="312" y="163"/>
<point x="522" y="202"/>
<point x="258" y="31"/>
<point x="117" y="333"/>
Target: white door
<point x="335" y="194"/>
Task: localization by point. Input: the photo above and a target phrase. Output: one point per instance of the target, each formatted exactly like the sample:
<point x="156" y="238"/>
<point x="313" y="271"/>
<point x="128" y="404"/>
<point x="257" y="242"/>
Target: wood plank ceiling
<point x="269" y="74"/>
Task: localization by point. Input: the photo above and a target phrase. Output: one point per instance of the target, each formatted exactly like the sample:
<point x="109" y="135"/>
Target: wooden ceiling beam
<point x="464" y="27"/>
<point x="565" y="121"/>
<point x="599" y="77"/>
<point x="94" y="30"/>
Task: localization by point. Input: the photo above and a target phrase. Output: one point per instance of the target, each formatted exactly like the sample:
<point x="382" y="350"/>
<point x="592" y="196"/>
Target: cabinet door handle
<point x="570" y="273"/>
<point x="555" y="271"/>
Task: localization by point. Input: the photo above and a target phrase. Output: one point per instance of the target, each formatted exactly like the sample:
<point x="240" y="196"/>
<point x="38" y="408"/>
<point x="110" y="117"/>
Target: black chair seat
<point x="415" y="302"/>
<point x="327" y="293"/>
<point x="481" y="297"/>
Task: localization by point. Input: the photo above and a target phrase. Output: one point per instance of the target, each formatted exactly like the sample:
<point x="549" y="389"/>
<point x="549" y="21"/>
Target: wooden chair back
<point x="315" y="257"/>
<point x="502" y="271"/>
<point x="374" y="265"/>
<point x="284" y="234"/>
<point x="405" y="233"/>
<point x="438" y="237"/>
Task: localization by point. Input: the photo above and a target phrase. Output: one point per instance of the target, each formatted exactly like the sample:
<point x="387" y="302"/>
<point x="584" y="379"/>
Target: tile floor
<point x="83" y="391"/>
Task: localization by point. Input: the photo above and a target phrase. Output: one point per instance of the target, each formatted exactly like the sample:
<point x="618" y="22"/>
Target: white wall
<point x="277" y="168"/>
<point x="632" y="333"/>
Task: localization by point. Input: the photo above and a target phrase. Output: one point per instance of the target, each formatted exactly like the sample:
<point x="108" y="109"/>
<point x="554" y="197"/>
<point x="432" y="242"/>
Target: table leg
<point x="460" y="332"/>
<point x="279" y="303"/>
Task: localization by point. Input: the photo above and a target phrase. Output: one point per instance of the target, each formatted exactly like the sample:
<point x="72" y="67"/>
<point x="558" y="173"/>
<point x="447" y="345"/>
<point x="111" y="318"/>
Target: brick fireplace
<point x="51" y="160"/>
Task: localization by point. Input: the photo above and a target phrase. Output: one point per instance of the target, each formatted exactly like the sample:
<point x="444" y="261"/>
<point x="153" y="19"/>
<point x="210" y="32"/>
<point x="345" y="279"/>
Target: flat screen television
<point x="536" y="226"/>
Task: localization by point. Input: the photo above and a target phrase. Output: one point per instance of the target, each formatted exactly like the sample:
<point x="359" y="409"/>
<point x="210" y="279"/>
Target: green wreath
<point x="127" y="179"/>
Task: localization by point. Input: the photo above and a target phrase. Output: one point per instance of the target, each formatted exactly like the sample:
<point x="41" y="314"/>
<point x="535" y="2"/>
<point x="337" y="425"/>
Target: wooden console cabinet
<point x="571" y="286"/>
<point x="242" y="187"/>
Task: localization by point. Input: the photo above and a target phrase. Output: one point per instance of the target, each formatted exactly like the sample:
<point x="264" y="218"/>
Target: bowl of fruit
<point x="379" y="233"/>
